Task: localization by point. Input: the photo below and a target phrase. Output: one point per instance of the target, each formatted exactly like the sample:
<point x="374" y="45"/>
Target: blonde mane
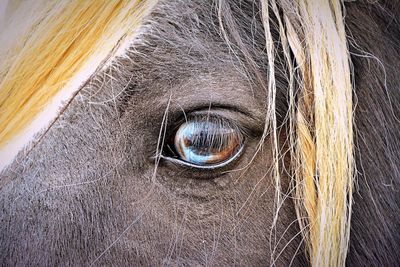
<point x="321" y="123"/>
<point x="45" y="58"/>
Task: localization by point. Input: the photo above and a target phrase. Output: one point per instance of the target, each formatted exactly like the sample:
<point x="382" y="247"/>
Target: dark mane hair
<point x="374" y="37"/>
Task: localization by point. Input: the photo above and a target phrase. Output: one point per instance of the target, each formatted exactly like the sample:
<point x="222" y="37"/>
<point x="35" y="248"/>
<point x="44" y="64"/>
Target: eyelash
<point x="219" y="134"/>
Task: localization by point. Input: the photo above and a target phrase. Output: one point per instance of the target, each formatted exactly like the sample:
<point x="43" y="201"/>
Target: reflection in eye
<point x="211" y="142"/>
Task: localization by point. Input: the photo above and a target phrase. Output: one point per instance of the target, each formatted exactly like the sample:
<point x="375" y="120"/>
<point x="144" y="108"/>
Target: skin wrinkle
<point x="88" y="200"/>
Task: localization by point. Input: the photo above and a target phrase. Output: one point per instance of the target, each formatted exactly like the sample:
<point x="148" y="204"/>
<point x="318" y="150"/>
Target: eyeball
<point x="208" y="143"/>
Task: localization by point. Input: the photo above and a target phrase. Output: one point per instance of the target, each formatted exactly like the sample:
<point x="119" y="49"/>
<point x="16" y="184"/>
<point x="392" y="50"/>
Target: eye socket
<point x="206" y="143"/>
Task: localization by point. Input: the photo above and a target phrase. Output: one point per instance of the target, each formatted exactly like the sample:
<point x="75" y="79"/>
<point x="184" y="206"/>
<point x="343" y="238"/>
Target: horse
<point x="200" y="133"/>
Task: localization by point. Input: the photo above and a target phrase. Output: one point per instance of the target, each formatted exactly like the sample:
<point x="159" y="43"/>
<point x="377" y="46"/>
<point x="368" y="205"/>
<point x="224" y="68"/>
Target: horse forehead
<point x="177" y="39"/>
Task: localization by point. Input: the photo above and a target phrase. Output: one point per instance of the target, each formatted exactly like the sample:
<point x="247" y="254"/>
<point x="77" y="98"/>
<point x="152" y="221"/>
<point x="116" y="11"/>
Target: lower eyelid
<point x="206" y="167"/>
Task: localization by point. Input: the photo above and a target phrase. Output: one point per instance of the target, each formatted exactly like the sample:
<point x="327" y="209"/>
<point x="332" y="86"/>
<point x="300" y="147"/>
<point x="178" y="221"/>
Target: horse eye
<point x="208" y="143"/>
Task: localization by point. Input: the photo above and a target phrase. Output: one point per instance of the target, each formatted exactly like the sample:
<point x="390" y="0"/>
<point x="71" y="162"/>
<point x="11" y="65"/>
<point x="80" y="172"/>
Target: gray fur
<point x="86" y="193"/>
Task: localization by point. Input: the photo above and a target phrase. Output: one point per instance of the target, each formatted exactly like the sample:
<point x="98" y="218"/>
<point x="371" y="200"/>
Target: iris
<point x="211" y="142"/>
